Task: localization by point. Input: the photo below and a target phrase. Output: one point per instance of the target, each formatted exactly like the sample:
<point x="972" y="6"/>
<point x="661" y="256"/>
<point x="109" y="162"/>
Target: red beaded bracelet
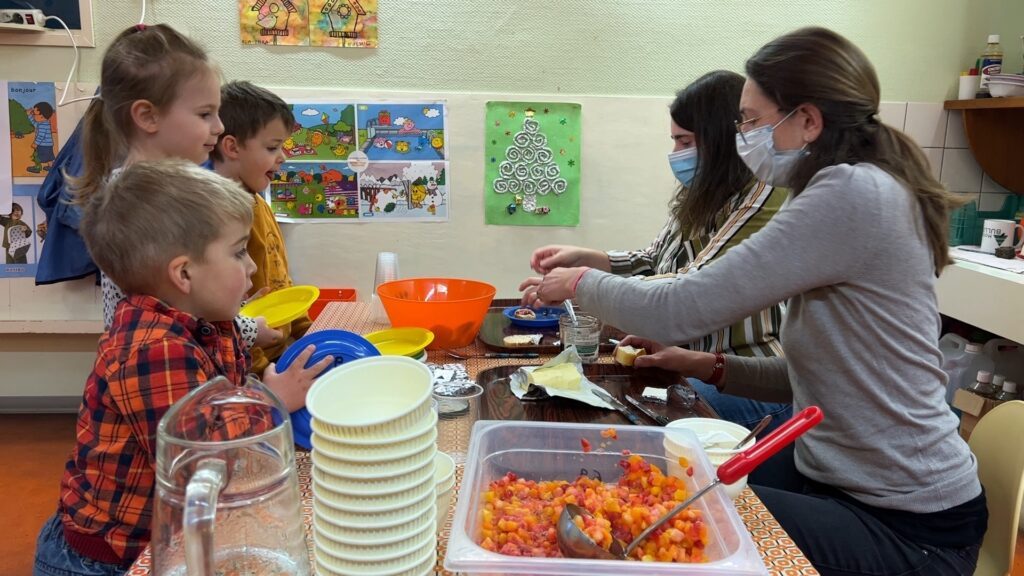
<point x="719" y="369"/>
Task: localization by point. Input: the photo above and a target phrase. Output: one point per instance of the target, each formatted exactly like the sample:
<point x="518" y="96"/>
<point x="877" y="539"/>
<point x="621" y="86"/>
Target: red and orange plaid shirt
<point x="151" y="357"/>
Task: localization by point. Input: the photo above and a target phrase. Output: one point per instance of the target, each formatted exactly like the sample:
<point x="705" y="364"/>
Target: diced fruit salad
<point x="518" y="516"/>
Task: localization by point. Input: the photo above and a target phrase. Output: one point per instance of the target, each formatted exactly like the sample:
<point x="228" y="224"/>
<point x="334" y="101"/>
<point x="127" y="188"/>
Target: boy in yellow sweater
<point x="256" y="124"/>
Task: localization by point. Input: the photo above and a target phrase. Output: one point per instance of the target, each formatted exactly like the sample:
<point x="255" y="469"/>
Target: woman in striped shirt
<point x="718" y="205"/>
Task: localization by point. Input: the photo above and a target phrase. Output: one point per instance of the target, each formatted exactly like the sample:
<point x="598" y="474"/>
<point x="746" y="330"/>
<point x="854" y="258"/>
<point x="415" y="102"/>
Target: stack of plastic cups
<point x="386" y="271"/>
<point x="375" y="489"/>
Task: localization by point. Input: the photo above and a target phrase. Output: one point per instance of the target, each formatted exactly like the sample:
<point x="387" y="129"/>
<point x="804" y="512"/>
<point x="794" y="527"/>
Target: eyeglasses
<point x="747" y="125"/>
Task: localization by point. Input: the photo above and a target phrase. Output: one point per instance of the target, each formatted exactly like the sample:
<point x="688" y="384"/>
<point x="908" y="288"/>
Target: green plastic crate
<point x="966" y="222"/>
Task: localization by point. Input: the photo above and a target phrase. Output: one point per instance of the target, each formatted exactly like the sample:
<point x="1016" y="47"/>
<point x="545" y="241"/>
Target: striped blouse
<point x="671" y="253"/>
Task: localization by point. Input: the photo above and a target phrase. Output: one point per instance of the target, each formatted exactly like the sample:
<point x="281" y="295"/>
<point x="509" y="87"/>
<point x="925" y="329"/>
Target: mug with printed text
<point x="996" y="233"/>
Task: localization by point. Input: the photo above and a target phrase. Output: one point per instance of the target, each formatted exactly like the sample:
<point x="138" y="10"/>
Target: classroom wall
<point x="622" y="61"/>
<point x="630" y="47"/>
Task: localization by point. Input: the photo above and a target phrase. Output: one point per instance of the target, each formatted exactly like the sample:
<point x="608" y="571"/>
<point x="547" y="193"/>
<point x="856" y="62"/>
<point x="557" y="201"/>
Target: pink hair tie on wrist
<point x="578" y="278"/>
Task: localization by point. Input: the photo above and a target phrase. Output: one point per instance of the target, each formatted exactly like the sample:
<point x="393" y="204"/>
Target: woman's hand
<point x="547" y="258"/>
<point x="529" y="290"/>
<point x="691" y="364"/>
<point x="292" y="384"/>
<point x="557" y="286"/>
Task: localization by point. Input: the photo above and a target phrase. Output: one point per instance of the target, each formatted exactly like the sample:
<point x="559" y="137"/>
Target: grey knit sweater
<point x="850" y="258"/>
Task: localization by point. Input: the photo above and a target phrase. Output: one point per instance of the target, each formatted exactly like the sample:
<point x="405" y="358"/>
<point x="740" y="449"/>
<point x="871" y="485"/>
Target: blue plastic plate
<point x="547" y="316"/>
<point x="344" y="346"/>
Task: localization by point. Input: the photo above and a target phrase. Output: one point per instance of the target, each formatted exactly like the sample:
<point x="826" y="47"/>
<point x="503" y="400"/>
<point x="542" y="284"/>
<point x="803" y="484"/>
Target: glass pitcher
<point x="227" y="494"/>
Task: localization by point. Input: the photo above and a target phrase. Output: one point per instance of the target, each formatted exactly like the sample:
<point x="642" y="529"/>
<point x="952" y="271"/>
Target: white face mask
<point x="757" y="149"/>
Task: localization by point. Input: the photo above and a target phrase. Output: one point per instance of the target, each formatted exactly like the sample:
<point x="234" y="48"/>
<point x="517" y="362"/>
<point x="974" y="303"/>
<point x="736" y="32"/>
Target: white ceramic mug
<point x="996" y="233"/>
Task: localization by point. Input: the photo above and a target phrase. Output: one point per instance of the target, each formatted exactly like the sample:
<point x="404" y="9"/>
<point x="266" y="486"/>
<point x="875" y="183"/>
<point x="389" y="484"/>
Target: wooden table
<point x="781" y="556"/>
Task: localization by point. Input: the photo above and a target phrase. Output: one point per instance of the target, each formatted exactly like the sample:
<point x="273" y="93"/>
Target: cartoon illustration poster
<point x="343" y="23"/>
<point x="401" y="131"/>
<point x="532" y="164"/>
<point x="370" y="161"/>
<point x="33" y="127"/>
<point x="24" y="229"/>
<point x="404" y="190"/>
<point x="276" y="22"/>
<point x="302" y="190"/>
<point x="322" y="132"/>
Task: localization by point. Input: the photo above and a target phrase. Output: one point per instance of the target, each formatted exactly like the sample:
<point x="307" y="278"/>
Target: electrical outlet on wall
<point x="22" y="20"/>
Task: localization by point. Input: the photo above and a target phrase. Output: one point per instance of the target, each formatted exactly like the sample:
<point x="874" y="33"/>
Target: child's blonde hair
<point x="155" y="211"/>
<point x="143" y="63"/>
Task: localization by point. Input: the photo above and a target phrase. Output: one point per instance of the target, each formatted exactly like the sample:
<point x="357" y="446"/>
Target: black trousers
<point x="843" y="538"/>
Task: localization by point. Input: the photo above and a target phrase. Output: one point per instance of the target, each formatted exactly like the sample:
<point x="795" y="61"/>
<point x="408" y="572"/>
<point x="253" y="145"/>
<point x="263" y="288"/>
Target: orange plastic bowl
<point x="451" y="308"/>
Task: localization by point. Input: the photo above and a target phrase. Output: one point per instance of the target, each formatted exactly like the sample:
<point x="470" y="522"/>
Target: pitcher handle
<point x="200" y="512"/>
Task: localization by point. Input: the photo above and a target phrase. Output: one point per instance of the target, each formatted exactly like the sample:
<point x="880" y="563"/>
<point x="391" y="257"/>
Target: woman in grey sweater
<point x="884" y="485"/>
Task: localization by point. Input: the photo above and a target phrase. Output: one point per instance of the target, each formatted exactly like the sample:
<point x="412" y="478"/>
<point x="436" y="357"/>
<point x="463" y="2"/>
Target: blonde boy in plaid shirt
<point x="173" y="235"/>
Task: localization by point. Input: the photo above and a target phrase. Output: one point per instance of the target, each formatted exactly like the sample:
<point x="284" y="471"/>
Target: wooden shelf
<point x="985" y="103"/>
<point x="995" y="135"/>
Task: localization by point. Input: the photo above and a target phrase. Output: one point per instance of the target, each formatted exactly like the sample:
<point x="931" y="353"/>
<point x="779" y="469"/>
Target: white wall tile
<point x="893" y="113"/>
<point x="926" y="124"/>
<point x="960" y="172"/>
<point x="991" y="202"/>
<point x="934" y="156"/>
<point x="990" y="185"/>
<point x="972" y="196"/>
<point x="955" y="136"/>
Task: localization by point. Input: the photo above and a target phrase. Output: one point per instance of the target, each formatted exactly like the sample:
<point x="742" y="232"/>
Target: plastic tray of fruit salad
<point x="519" y="474"/>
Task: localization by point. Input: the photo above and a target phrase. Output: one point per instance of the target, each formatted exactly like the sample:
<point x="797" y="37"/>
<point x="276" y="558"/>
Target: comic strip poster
<point x="364" y="162"/>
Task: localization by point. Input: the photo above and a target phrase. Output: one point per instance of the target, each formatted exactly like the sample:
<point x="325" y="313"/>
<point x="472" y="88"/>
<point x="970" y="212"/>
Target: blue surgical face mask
<point x="684" y="165"/>
<point x="757" y="150"/>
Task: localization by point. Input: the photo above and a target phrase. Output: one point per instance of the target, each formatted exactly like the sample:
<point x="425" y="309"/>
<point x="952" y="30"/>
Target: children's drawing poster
<point x="275" y="22"/>
<point x="343" y="23"/>
<point x="23" y="229"/>
<point x="33" y="128"/>
<point x="364" y="161"/>
<point x="532" y="164"/>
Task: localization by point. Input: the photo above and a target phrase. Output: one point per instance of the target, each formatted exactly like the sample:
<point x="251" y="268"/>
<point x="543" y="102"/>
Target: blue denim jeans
<point x="742" y="411"/>
<point x="55" y="558"/>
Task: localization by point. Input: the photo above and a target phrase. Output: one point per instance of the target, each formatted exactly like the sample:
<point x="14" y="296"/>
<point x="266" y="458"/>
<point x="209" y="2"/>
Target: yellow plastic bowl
<point x="282" y="306"/>
<point x="409" y="341"/>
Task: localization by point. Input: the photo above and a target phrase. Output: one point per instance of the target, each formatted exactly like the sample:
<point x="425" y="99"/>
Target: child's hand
<point x="259" y="294"/>
<point x="265" y="335"/>
<point x="292" y="384"/>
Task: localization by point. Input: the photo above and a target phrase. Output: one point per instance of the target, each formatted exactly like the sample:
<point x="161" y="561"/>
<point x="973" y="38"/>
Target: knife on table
<point x="511" y="355"/>
<point x="661" y="420"/>
<point x="604" y="395"/>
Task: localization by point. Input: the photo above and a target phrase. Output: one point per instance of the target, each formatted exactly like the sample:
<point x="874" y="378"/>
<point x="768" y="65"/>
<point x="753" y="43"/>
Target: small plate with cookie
<point x="543" y="317"/>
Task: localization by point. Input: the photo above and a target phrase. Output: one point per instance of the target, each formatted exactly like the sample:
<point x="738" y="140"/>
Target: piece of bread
<point x="525" y="314"/>
<point x="626" y="355"/>
<point x="517" y="340"/>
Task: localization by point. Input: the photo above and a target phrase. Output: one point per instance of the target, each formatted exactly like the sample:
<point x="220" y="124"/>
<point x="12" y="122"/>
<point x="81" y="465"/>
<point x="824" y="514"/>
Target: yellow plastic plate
<point x="282" y="306"/>
<point x="401" y="341"/>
